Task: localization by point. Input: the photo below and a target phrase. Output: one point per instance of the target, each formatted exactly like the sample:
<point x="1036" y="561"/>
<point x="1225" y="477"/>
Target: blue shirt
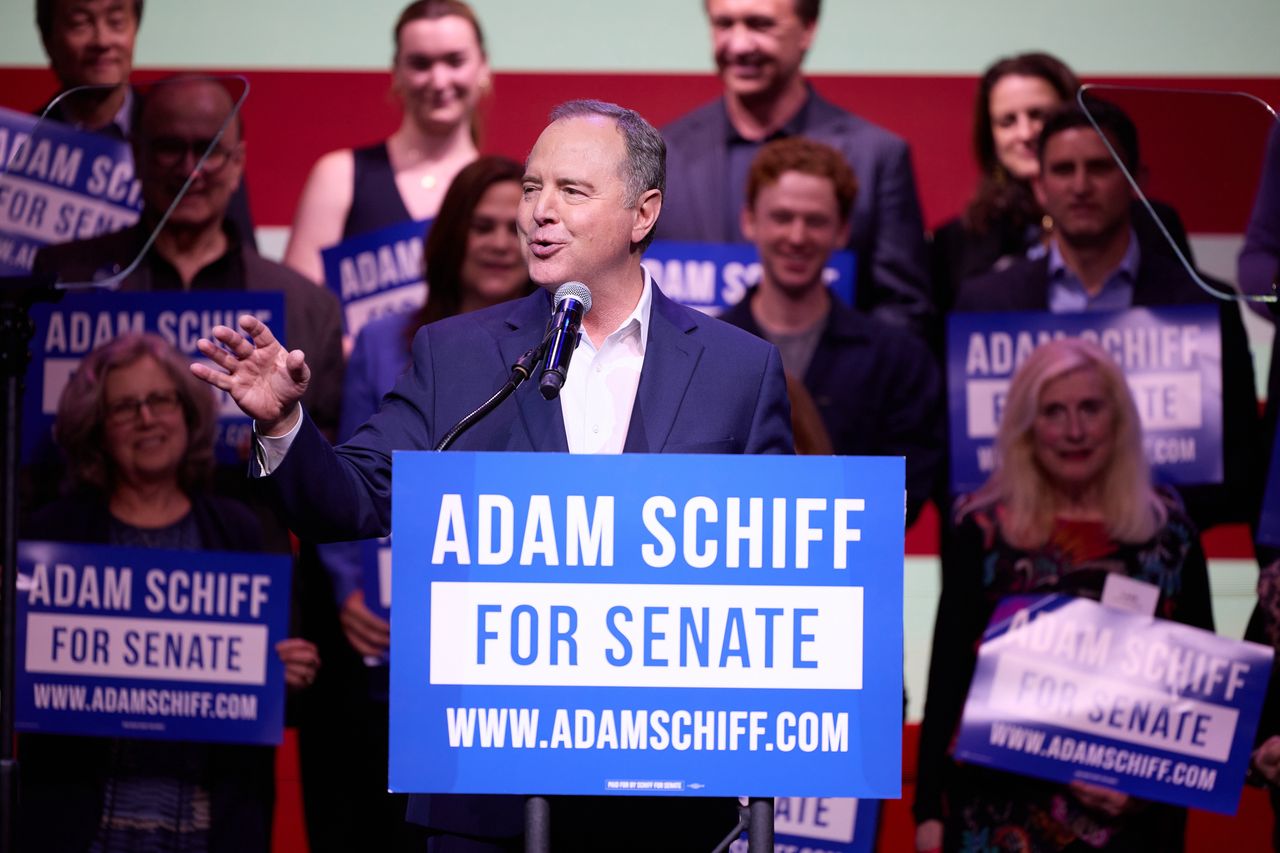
<point x="1068" y="296"/>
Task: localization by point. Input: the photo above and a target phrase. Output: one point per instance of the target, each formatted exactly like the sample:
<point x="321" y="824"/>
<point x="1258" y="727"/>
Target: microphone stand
<point x="520" y="371"/>
<point x="17" y="295"/>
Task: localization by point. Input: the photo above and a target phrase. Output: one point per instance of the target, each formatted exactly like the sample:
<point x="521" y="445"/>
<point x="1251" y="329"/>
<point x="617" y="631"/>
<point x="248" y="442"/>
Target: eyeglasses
<point x="170" y="151"/>
<point x="158" y="403"/>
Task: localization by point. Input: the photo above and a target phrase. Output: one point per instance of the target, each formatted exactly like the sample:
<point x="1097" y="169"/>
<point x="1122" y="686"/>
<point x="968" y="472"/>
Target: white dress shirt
<point x="596" y="401"/>
<point x="600" y="390"/>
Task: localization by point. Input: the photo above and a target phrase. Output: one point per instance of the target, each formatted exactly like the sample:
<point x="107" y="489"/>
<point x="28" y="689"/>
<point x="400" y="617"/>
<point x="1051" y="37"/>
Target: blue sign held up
<point x="820" y="825"/>
<point x="647" y="624"/>
<point x="1171" y="357"/>
<point x="378" y="273"/>
<point x="375" y="562"/>
<point x="715" y="276"/>
<point x="69" y="330"/>
<point x="1069" y="690"/>
<point x="143" y="643"/>
<point x="59" y="184"/>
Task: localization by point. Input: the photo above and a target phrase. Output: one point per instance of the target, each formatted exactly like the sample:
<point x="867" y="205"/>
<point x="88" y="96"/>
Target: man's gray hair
<point x="646" y="164"/>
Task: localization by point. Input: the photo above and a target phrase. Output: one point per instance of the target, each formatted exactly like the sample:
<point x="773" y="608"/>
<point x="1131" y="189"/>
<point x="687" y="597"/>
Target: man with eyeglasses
<point x="198" y="249"/>
<point x="91" y="43"/>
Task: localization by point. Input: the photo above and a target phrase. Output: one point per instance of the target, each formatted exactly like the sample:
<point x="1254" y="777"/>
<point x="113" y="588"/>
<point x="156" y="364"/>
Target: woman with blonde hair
<point x="1070" y="502"/>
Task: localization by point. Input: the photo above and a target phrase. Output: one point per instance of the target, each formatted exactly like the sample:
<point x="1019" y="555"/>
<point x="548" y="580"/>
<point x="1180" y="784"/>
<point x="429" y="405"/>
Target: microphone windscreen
<point x="574" y="290"/>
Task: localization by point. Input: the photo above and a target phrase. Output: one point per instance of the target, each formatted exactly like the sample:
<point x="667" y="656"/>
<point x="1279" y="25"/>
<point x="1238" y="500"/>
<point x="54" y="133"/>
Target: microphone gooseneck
<point x="572" y="302"/>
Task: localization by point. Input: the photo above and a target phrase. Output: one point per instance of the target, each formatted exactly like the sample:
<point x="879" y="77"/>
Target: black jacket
<point x="1024" y="286"/>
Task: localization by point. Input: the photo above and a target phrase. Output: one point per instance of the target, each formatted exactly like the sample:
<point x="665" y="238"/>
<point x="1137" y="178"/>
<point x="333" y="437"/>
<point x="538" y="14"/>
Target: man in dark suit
<point x="648" y="376"/>
<point x="876" y="387"/>
<point x="1095" y="263"/>
<point x="759" y="47"/>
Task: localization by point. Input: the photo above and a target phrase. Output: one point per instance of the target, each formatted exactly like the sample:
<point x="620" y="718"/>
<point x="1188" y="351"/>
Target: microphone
<point x="573" y="300"/>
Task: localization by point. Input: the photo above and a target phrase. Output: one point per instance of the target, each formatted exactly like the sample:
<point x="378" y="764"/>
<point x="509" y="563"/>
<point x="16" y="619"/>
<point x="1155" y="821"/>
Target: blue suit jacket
<point x="705" y="387"/>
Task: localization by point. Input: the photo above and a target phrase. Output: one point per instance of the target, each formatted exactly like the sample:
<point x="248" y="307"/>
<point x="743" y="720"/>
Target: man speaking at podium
<point x="648" y="376"/>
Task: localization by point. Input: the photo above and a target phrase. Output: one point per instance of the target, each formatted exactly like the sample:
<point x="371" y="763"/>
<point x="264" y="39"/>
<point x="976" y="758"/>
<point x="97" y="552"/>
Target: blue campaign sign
<point x="1171" y="357"/>
<point x="378" y="273"/>
<point x="715" y="276"/>
<point x="59" y="184"/>
<point x="375" y="564"/>
<point x="68" y="331"/>
<point x="647" y="624"/>
<point x="821" y="825"/>
<point x="1069" y="690"/>
<point x="1269" y="520"/>
<point x="149" y="643"/>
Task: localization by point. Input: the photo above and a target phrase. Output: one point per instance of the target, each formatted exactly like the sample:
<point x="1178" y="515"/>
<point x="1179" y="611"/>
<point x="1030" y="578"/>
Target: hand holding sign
<point x="1108" y="802"/>
<point x="929" y="836"/>
<point x="1266" y="759"/>
<point x="265" y="381"/>
<point x="367" y="633"/>
<point x="301" y="661"/>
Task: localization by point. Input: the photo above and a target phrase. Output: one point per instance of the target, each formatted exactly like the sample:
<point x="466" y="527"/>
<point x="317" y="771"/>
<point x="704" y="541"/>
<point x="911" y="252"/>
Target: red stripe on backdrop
<point x="1201" y="154"/>
<point x="1227" y="541"/>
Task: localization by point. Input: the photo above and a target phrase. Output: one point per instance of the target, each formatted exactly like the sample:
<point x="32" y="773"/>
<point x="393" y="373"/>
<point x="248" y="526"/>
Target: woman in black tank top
<point x="439" y="74"/>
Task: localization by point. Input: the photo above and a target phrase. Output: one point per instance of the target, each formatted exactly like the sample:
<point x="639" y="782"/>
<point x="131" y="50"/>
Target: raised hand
<point x="265" y="381"/>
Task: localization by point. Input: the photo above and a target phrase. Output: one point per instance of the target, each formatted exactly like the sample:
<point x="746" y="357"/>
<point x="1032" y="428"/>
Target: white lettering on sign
<point x="647" y="635"/>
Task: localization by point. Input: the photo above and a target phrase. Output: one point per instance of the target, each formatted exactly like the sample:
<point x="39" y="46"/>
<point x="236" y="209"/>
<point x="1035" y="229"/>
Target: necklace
<point x="428" y="182"/>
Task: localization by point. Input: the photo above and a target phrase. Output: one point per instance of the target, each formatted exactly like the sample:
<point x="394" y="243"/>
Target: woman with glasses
<point x="439" y="74"/>
<point x="138" y="431"/>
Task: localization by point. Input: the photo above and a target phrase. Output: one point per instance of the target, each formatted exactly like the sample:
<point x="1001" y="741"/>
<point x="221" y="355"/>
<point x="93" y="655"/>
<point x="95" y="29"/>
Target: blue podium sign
<point x="143" y="643"/>
<point x="1171" y="357"/>
<point x="59" y="184"/>
<point x="68" y="331"/>
<point x="1068" y="690"/>
<point x="715" y="276"/>
<point x="647" y="624"/>
<point x="378" y="273"/>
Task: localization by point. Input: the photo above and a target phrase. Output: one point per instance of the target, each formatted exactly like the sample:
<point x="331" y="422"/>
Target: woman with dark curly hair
<point x="1003" y="220"/>
<point x="1069" y="503"/>
<point x="137" y="430"/>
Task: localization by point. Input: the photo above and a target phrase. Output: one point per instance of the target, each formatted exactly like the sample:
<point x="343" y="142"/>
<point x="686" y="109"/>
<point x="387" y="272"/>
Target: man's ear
<point x="236" y="161"/>
<point x="810" y="31"/>
<point x="846" y="231"/>
<point x="646" y="208"/>
<point x="137" y="147"/>
<point x="1037" y="187"/>
<point x="747" y="219"/>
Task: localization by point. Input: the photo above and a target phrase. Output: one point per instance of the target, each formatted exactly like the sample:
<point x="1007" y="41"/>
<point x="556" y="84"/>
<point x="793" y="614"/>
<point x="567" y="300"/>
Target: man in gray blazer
<point x="759" y="47"/>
